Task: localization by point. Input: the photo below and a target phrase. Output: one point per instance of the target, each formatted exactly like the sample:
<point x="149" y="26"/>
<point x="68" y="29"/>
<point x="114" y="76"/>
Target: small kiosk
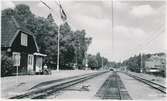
<point x="38" y="66"/>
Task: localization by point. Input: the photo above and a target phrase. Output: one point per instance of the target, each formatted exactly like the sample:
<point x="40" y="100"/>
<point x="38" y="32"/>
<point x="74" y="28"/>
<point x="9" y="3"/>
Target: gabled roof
<point x="10" y="28"/>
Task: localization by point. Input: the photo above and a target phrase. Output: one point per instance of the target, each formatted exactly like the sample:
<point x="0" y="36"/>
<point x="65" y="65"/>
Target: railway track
<point x="150" y="83"/>
<point x="113" y="88"/>
<point x="53" y="88"/>
<point x="53" y="81"/>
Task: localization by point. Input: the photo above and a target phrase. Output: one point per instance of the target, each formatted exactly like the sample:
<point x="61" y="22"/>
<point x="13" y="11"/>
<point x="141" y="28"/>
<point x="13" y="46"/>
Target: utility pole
<point x="76" y="61"/>
<point x="86" y="60"/>
<point x="64" y="18"/>
<point x="58" y="53"/>
<point x="102" y="63"/>
<point x="141" y="63"/>
<point x="86" y="55"/>
<point x="112" y="26"/>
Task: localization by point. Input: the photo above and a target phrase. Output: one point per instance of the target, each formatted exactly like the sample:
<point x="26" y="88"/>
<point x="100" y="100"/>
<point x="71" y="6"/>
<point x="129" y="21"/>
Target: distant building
<point x="19" y="43"/>
<point x="123" y="68"/>
<point x="155" y="63"/>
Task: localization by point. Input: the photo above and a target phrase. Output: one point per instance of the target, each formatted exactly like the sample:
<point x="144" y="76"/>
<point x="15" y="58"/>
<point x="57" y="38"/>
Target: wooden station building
<point x="19" y="43"/>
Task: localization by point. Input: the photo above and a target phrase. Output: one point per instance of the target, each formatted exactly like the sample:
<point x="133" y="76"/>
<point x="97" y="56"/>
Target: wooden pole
<point x="141" y="66"/>
<point x="17" y="74"/>
<point x="58" y="49"/>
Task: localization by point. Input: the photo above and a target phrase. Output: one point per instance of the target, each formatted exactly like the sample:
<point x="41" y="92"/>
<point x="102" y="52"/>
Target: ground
<point x="153" y="78"/>
<point x="140" y="91"/>
<point x="13" y="85"/>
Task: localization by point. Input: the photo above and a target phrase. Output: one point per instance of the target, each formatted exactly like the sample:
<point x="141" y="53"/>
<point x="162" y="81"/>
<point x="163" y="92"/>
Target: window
<point x="24" y="38"/>
<point x="16" y="58"/>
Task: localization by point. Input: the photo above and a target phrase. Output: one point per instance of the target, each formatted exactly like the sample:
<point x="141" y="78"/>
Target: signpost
<point x="17" y="64"/>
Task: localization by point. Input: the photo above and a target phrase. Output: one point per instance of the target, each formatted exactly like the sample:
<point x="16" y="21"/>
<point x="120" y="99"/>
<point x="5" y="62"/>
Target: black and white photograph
<point x="83" y="50"/>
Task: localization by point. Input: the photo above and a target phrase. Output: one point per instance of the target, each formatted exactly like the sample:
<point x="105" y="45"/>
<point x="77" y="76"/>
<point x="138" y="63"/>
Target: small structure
<point x="123" y="68"/>
<point x="19" y="43"/>
<point x="38" y="62"/>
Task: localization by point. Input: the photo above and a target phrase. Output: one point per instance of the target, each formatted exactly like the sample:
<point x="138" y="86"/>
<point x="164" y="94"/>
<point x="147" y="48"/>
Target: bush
<point x="6" y="66"/>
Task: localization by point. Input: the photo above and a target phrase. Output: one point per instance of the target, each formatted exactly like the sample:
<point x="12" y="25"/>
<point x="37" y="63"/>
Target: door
<point x="38" y="64"/>
<point x="23" y="63"/>
<point x="30" y="62"/>
<point x="16" y="58"/>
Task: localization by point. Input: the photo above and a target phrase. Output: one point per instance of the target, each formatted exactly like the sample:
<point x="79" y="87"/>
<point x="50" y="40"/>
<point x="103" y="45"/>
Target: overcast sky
<point x="139" y="25"/>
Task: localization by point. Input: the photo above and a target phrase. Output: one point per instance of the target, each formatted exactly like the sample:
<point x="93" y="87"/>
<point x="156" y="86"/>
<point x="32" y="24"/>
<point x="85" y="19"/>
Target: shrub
<point x="6" y="66"/>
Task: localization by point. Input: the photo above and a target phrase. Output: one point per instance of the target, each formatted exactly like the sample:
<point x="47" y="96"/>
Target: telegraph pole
<point x="102" y="62"/>
<point x="141" y="63"/>
<point x="58" y="53"/>
<point x="76" y="61"/>
<point x="64" y="18"/>
<point x="112" y="28"/>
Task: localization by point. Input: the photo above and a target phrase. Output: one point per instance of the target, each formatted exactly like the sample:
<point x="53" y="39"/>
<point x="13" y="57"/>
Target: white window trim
<point x="24" y="39"/>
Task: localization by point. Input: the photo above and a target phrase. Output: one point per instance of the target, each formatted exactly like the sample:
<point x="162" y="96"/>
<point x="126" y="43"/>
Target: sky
<point x="138" y="25"/>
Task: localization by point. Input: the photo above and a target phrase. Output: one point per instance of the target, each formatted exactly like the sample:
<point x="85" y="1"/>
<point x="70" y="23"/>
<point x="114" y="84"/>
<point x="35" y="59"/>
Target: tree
<point x="92" y="62"/>
<point x="81" y="44"/>
<point x="95" y="62"/>
<point x="133" y="63"/>
<point x="99" y="60"/>
<point x="22" y="12"/>
<point x="6" y="66"/>
<point x="50" y="18"/>
<point x="8" y="12"/>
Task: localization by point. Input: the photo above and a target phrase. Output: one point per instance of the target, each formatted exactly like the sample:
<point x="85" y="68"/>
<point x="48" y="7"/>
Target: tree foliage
<point x="97" y="62"/>
<point x="6" y="66"/>
<point x="134" y="63"/>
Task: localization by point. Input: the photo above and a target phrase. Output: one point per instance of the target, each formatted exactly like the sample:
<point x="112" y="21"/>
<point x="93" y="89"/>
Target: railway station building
<point x="19" y="43"/>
